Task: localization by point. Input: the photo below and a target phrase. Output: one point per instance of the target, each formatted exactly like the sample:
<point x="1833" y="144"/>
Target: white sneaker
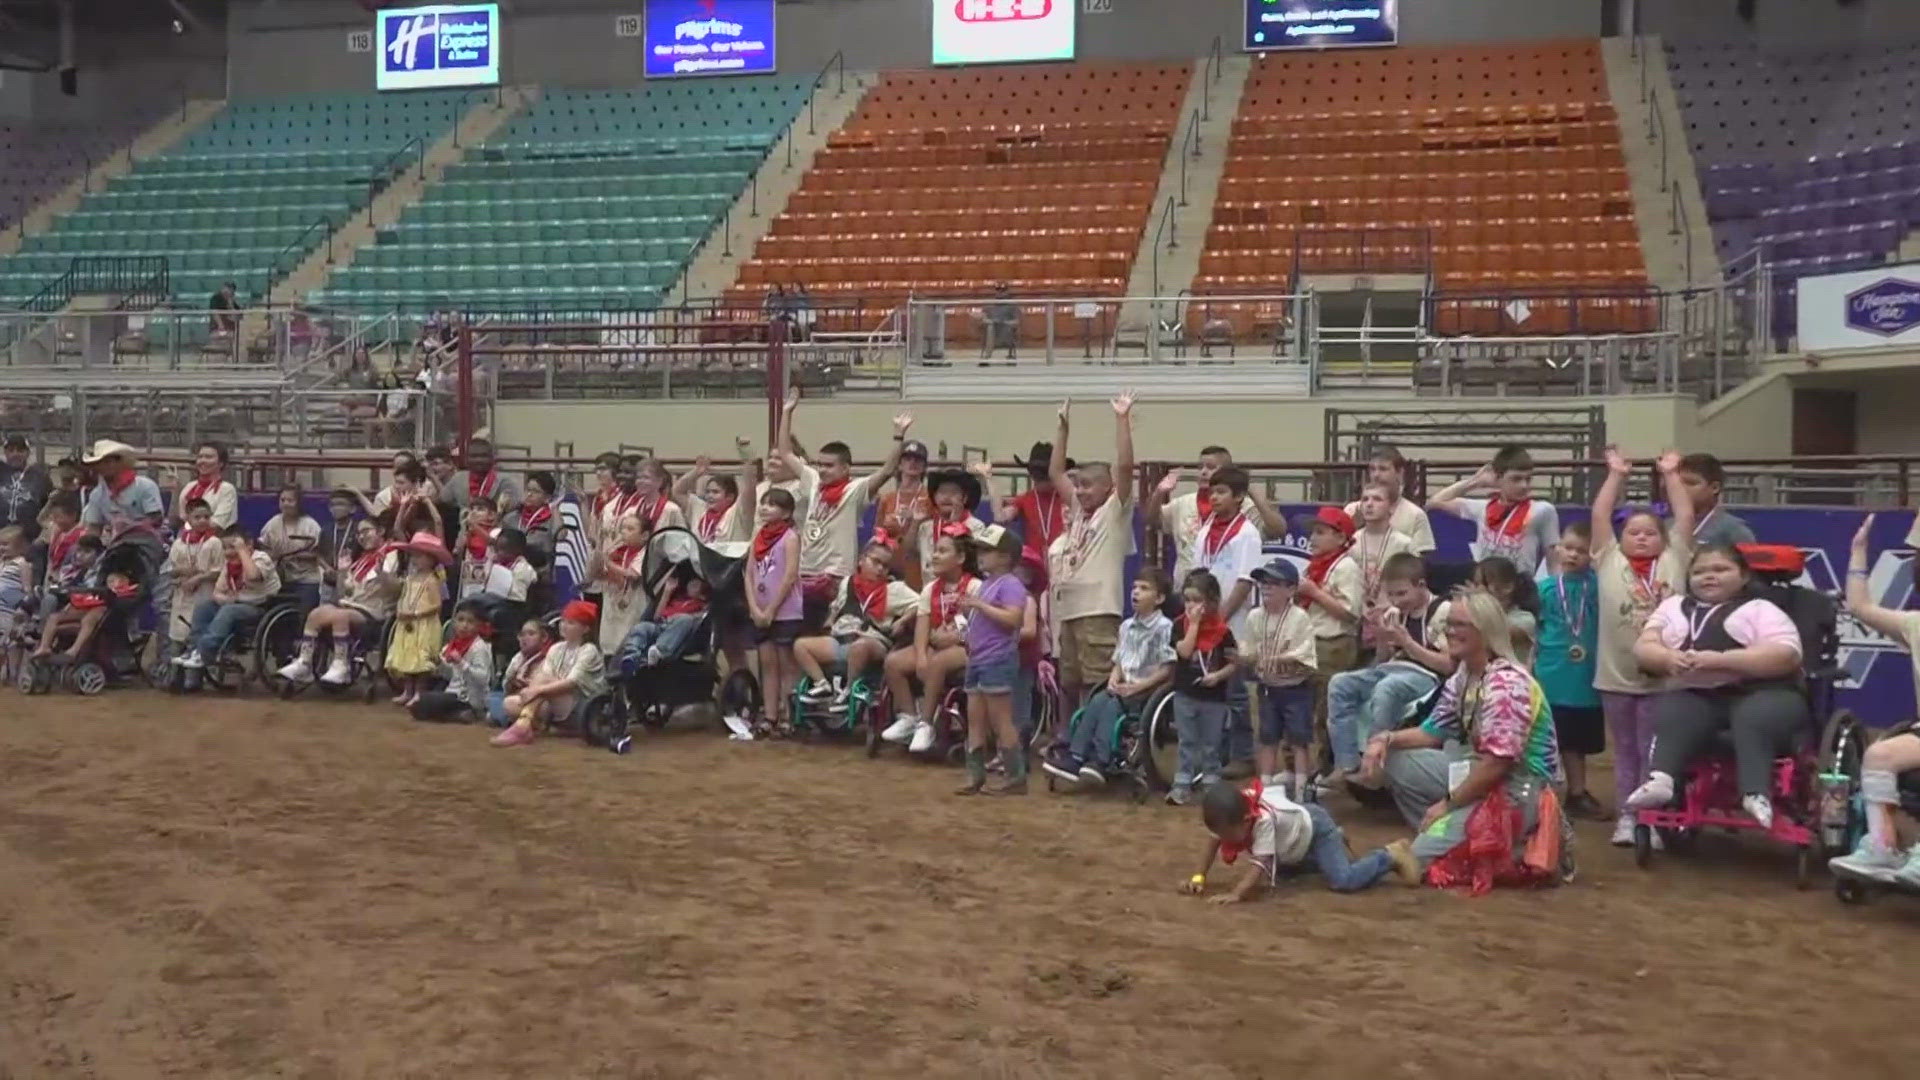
<point x="338" y="673"/>
<point x="922" y="738"/>
<point x="301" y="670"/>
<point x="1871" y="859"/>
<point x="1656" y="792"/>
<point x="1622" y="831"/>
<point x="737" y="724"/>
<point x="901" y="729"/>
<point x="1909" y="875"/>
<point x="191" y="661"/>
<point x="1283" y="781"/>
<point x="1759" y="808"/>
<point x="817" y="693"/>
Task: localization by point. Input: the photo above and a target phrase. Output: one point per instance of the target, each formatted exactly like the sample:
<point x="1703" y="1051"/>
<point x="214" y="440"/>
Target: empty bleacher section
<point x="247" y="196"/>
<point x="948" y="182"/>
<point x="1492" y="168"/>
<point x="1815" y="155"/>
<point x="37" y="159"/>
<point x="591" y="199"/>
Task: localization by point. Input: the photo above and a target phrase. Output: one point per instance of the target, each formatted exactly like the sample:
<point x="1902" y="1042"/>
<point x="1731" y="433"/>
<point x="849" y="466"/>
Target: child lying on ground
<point x="1279" y="835"/>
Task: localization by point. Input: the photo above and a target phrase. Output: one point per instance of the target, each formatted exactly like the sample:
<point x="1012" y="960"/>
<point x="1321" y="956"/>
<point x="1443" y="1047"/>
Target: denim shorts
<point x="994" y="676"/>
<point x="1286" y="715"/>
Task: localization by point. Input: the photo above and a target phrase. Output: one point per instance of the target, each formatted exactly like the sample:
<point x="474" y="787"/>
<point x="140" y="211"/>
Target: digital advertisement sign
<point x="1320" y="24"/>
<point x="1002" y="31"/>
<point x="709" y="37"/>
<point x="446" y="45"/>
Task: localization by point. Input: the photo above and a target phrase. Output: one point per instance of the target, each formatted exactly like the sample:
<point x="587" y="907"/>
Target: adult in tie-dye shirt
<point x="1491" y="730"/>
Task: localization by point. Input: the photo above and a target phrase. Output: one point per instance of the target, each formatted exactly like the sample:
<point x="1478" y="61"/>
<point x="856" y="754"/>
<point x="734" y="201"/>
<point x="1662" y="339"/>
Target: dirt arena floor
<point x="247" y="888"/>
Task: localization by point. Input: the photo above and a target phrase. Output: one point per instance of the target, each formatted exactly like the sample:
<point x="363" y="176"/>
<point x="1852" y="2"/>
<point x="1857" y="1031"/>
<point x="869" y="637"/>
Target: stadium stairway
<point x="716" y="263"/>
<point x="1165" y="266"/>
<point x="1673" y="236"/>
<point x="162" y="136"/>
<point x="481" y="122"/>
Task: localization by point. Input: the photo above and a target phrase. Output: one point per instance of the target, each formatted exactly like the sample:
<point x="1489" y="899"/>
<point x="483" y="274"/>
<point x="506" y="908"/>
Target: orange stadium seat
<point x="949" y="181"/>
<point x="1508" y="155"/>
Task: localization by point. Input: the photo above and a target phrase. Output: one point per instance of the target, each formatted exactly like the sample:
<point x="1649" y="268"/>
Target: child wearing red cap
<point x="1330" y="592"/>
<point x="573" y="672"/>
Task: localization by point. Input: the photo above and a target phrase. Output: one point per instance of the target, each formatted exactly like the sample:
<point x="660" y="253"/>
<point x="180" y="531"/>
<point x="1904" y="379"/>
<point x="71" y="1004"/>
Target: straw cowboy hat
<point x="429" y="544"/>
<point x="106" y="448"/>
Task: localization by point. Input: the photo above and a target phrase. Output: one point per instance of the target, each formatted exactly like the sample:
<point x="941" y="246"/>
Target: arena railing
<point x="1091" y="329"/>
<point x="1854" y="482"/>
<point x="162" y="343"/>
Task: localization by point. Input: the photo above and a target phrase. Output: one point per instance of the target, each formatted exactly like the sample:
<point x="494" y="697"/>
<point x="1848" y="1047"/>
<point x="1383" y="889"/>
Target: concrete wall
<point x="301" y="45"/>
<point x="1291" y="431"/>
<point x="1786" y="24"/>
<point x="120" y="72"/>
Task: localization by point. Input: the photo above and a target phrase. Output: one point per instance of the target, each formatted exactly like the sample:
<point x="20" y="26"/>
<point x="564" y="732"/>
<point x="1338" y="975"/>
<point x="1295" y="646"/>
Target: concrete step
<point x="1168" y="258"/>
<point x="716" y="263"/>
<point x="485" y="118"/>
<point x="1670" y="212"/>
<point x="156" y="140"/>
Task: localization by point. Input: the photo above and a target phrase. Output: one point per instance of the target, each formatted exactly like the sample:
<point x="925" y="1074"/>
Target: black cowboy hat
<point x="969" y="483"/>
<point x="1037" y="459"/>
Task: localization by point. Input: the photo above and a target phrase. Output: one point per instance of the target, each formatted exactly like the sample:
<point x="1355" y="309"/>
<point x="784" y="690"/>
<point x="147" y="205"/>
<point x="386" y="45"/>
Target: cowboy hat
<point x="967" y="482"/>
<point x="430" y="544"/>
<point x="106" y="448"/>
<point x="1039" y="459"/>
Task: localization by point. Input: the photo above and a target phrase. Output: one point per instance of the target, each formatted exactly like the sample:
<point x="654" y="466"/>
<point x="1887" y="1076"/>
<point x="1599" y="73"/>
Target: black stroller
<point x="113" y="656"/>
<point x="651" y="695"/>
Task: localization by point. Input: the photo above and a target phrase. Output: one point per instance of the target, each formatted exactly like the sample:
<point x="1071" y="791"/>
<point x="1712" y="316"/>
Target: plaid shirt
<point x="1143" y="646"/>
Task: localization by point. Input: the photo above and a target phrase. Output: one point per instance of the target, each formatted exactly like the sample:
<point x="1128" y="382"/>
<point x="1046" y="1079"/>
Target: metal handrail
<point x="385" y="172"/>
<point x="837" y="60"/>
<point x="1210" y="71"/>
<point x="1192" y="135"/>
<point x="1165" y="225"/>
<point x="499" y="101"/>
<point x="273" y="265"/>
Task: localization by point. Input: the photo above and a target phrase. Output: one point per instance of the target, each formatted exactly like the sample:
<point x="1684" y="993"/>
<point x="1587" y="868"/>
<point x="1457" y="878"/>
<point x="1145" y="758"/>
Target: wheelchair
<point x="1843" y="813"/>
<point x="267" y="644"/>
<point x="282" y="628"/>
<point x="860" y="707"/>
<point x="1709" y="795"/>
<point x="114" y="656"/>
<point x="1145" y="751"/>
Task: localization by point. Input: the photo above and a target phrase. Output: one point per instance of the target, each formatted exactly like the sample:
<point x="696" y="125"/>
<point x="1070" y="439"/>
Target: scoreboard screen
<point x="1321" y="24"/>
<point x="709" y="37"/>
<point x="440" y="46"/>
<point x="1002" y="31"/>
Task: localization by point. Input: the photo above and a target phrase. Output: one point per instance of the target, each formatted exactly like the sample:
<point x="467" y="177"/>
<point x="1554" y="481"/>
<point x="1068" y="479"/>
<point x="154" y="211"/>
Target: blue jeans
<point x="1093" y="734"/>
<point x="1198" y="722"/>
<point x="1328" y="851"/>
<point x="214" y="623"/>
<point x="1364" y="703"/>
<point x="671" y="637"/>
<point x="497" y="709"/>
<point x="1236" y="730"/>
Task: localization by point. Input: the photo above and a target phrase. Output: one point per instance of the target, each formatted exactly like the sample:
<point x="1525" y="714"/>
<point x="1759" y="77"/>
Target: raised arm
<point x="1677" y="497"/>
<point x="1122" y="447"/>
<point x="1606" y="499"/>
<point x="1057" y="461"/>
<point x="892" y="465"/>
<point x="783" y="443"/>
<point x="1162" y="491"/>
<point x="983" y="470"/>
<point x="683" y="484"/>
<point x="1859" y="601"/>
<point x="1273" y="525"/>
<point x="1447" y="499"/>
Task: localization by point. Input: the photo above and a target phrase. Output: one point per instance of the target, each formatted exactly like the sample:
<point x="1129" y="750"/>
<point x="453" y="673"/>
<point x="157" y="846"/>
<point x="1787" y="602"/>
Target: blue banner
<point x="433" y="47"/>
<point x="709" y="37"/>
<point x="1320" y="24"/>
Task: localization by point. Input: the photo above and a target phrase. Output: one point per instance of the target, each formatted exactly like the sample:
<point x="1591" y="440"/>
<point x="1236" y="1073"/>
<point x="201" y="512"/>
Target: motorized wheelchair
<point x="113" y="656"/>
<point x="1709" y="795"/>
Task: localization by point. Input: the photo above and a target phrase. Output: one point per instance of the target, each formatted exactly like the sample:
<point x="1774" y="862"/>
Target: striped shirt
<point x="1143" y="646"/>
<point x="1504" y="714"/>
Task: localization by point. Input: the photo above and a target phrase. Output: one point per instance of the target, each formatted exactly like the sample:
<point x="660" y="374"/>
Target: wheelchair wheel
<point x="1160" y="754"/>
<point x="276" y="641"/>
<point x="600" y="724"/>
<point x="87" y="678"/>
<point x="1643" y="846"/>
<point x="739" y="694"/>
<point x="1849" y="890"/>
<point x="34" y="677"/>
<point x="1803" y="863"/>
<point x="1842" y="821"/>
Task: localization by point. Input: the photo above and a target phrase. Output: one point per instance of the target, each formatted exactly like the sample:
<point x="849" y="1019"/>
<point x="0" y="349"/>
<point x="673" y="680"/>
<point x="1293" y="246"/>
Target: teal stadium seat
<point x="591" y="200"/>
<point x="227" y="203"/>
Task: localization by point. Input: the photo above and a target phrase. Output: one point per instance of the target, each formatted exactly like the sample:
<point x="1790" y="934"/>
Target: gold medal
<point x="1576" y="653"/>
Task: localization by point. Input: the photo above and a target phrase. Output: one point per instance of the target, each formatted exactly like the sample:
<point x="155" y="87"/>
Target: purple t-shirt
<point x="987" y="641"/>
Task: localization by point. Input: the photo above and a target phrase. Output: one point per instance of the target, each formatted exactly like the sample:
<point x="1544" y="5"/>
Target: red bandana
<point x="196" y="537"/>
<point x="1643" y="573"/>
<point x="199" y="489"/>
<point x="622" y="555"/>
<point x="1317" y="568"/>
<point x="456" y="649"/>
<point x="1231" y="849"/>
<point x="872" y="595"/>
<point x="533" y="658"/>
<point x="235" y="569"/>
<point x="365" y="565"/>
<point x="477" y="544"/>
<point x="709" y="527"/>
<point x="1508" y="520"/>
<point x="483" y="484"/>
<point x="946" y="602"/>
<point x="57" y="555"/>
<point x="1219" y="531"/>
<point x="533" y="519"/>
<point x="768" y="536"/>
<point x="1213" y="630"/>
<point x="832" y="493"/>
<point x="119" y="483"/>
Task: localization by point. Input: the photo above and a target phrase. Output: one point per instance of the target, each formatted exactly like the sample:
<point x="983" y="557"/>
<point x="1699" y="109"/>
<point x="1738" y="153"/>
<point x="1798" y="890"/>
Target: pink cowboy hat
<point x="426" y="543"/>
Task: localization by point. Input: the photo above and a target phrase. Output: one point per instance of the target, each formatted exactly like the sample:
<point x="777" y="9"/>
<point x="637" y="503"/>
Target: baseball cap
<point x="1331" y="516"/>
<point x="1000" y="538"/>
<point x="914" y="448"/>
<point x="1279" y="572"/>
<point x="17" y="442"/>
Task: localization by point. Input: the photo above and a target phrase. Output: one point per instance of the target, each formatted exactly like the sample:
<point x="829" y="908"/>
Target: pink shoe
<point x="513" y="736"/>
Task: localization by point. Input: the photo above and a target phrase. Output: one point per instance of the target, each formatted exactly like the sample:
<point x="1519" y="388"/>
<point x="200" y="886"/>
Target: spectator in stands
<point x="224" y="305"/>
<point x="775" y="305"/>
<point x="24" y="488"/>
<point x="801" y="304"/>
<point x="1002" y="323"/>
<point x="1511" y="523"/>
<point x="1387" y="468"/>
<point x="1181" y="519"/>
<point x="210" y="485"/>
<point x="1703" y="476"/>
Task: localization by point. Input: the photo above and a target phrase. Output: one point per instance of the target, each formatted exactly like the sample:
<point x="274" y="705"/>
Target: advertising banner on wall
<point x="1002" y="31"/>
<point x="709" y="37"/>
<point x="1320" y="24"/>
<point x="436" y="47"/>
<point x="1865" y="309"/>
